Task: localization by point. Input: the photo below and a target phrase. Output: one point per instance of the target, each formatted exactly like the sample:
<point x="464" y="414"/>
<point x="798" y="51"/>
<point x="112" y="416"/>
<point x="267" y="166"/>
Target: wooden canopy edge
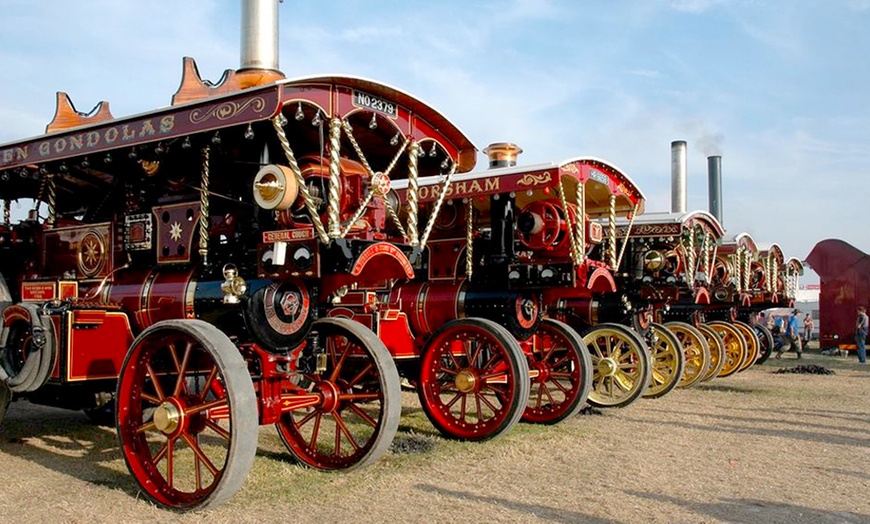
<point x="193" y="87"/>
<point x="66" y="116"/>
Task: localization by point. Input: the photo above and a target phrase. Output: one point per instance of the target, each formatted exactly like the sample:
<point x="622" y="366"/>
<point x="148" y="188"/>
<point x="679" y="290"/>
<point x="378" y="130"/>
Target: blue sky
<point x="778" y="88"/>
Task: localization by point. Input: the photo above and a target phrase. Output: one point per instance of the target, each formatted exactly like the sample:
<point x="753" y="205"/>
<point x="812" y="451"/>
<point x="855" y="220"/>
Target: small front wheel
<point x="474" y="380"/>
<point x="696" y="351"/>
<point x="360" y="397"/>
<point x="561" y="371"/>
<point x="621" y="367"/>
<point x="668" y="361"/>
<point x="735" y="347"/>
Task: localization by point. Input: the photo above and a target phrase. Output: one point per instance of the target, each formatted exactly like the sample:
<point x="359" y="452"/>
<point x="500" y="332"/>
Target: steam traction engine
<point x="666" y="268"/>
<point x="509" y="246"/>
<point x="207" y="266"/>
<point x="732" y="282"/>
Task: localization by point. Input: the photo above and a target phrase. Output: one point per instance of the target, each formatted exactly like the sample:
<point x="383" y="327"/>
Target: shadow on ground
<point x="748" y="511"/>
<point x="532" y="510"/>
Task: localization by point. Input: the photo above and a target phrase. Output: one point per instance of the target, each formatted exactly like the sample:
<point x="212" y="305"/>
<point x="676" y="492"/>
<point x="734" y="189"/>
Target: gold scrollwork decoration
<point x="227" y="110"/>
<point x="529" y="179"/>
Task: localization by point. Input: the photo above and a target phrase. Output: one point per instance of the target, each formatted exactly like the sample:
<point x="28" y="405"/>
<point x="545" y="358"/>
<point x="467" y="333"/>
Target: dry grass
<point x="754" y="447"/>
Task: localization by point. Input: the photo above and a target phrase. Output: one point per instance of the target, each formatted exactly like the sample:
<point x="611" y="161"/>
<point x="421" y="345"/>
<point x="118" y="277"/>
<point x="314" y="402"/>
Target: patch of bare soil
<point x="755" y="447"/>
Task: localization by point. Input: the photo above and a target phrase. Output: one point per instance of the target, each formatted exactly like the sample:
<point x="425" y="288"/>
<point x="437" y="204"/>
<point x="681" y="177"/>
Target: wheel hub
<point x="167" y="417"/>
<point x="607" y="366"/>
<point x="331" y="396"/>
<point x="465" y="381"/>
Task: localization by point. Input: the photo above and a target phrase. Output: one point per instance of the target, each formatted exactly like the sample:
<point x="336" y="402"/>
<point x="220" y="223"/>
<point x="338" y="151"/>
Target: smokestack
<point x="502" y="154"/>
<point x="714" y="185"/>
<point x="259" y="35"/>
<point x="678" y="176"/>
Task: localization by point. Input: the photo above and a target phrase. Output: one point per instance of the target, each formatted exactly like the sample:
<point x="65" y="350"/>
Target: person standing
<point x="791" y="336"/>
<point x="808" y="328"/>
<point x="861" y="334"/>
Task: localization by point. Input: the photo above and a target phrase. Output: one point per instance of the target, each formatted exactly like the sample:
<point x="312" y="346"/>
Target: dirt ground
<point x="756" y="447"/>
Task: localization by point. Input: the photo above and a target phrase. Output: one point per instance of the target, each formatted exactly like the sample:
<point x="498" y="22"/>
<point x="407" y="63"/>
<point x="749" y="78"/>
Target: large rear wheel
<point x="668" y="361"/>
<point x="735" y="347"/>
<point x="620" y="365"/>
<point x="561" y="373"/>
<point x="696" y="351"/>
<point x="361" y="401"/>
<point x="474" y="380"/>
<point x="187" y="415"/>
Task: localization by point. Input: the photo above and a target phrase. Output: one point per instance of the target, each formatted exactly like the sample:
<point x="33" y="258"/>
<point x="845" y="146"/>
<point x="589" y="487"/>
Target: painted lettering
<point x="127" y="133"/>
<point x="59" y="146"/>
<point x="93" y="138"/>
<point x="491" y="184"/>
<point x="77" y="141"/>
<point x="111" y="134"/>
<point x="167" y="123"/>
<point x="147" y="129"/>
<point x="44" y="149"/>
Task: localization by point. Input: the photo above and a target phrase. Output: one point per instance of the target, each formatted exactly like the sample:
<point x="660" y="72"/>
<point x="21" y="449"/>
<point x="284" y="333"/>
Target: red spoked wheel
<point x="358" y="414"/>
<point x="561" y="373"/>
<point x="187" y="415"/>
<point x="474" y="380"/>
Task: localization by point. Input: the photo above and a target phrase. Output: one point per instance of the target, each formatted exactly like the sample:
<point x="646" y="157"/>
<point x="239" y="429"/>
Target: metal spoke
<point x="200" y="454"/>
<point x="339" y="422"/>
<point x="363" y="415"/>
<point x="365" y="371"/>
<point x="182" y="368"/>
<point x="315" y="431"/>
<point x="157" y="388"/>
<point x="217" y="429"/>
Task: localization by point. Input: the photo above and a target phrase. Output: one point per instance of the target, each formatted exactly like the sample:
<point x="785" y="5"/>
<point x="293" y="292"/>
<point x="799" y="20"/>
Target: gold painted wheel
<point x="696" y="351"/>
<point x="668" y="361"/>
<point x="717" y="351"/>
<point x="620" y="365"/>
<point x="735" y="347"/>
<point x="752" y="344"/>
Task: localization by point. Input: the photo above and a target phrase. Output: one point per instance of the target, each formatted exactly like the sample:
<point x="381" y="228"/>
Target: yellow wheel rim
<point x="752" y="344"/>
<point x="619" y="366"/>
<point x="697" y="352"/>
<point x="717" y="351"/>
<point x="735" y="347"/>
<point x="667" y="362"/>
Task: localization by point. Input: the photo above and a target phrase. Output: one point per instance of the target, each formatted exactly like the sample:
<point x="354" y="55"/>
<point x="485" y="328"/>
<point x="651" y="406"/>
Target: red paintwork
<point x="844" y="274"/>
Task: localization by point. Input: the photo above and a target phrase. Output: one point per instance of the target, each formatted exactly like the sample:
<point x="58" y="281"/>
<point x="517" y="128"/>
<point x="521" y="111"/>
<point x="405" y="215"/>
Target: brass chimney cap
<point x="502" y="154"/>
